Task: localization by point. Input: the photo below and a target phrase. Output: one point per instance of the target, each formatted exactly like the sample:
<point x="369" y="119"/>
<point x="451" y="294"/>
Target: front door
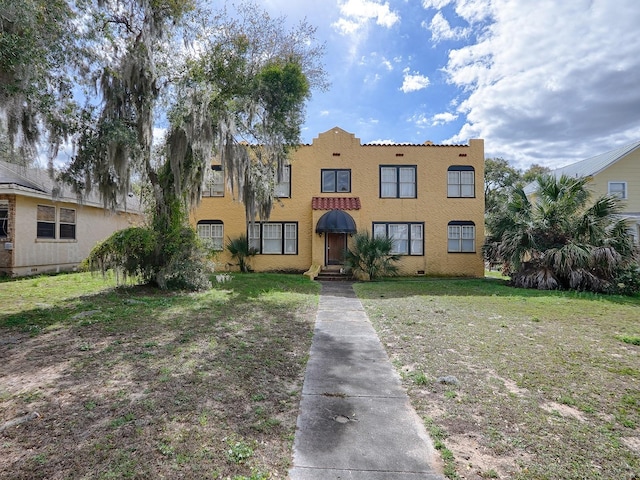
<point x="336" y="245"/>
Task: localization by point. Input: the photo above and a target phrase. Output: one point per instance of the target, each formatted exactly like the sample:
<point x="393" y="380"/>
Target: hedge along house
<point x="427" y="198"/>
<point x="45" y="230"/>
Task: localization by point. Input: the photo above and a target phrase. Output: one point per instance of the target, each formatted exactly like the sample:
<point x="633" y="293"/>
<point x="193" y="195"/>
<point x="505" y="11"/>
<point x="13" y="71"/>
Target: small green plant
<point x="630" y="339"/>
<point x="370" y="256"/>
<point x="450" y="394"/>
<point x="239" y="452"/>
<point x="438" y="436"/>
<point x="241" y="251"/>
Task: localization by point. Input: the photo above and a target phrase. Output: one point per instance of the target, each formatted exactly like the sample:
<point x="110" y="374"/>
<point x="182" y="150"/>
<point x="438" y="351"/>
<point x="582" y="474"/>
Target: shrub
<point x="371" y="257"/>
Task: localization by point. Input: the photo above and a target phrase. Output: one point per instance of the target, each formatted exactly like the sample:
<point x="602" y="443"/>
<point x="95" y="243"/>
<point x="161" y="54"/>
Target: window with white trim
<point x="212" y="233"/>
<point x="46" y="217"/>
<point x="274" y="238"/>
<point x="67" y="225"/>
<point x="336" y="180"/>
<point x="214" y="183"/>
<point x="408" y="238"/>
<point x="283" y="187"/>
<point x="398" y="181"/>
<point x="4" y="221"/>
<point x="461" y="237"/>
<point x="618" y="189"/>
<point x="461" y="181"/>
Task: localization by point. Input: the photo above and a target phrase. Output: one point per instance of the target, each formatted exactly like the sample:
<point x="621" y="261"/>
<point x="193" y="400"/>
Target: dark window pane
<point x="46" y="230"/>
<point x="67" y="230"/>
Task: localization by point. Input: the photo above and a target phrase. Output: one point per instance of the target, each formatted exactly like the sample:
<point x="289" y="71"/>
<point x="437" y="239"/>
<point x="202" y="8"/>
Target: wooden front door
<point x="336" y="245"/>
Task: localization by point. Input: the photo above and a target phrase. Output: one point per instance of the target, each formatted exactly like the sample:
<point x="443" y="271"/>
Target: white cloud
<point x="549" y="79"/>
<point x="442" y="118"/>
<point x="413" y="82"/>
<point x="441" y="29"/>
<point x="437" y="4"/>
<point x="357" y="14"/>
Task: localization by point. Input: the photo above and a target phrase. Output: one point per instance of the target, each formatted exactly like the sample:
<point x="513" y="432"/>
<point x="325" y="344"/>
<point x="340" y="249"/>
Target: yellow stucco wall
<point x="338" y="149"/>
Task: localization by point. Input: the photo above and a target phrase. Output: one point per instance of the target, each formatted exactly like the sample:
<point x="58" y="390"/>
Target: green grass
<point x="137" y="383"/>
<point x="549" y="381"/>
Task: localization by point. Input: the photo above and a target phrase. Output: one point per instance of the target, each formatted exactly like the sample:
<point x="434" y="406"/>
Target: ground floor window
<point x="274" y="238"/>
<point x="46" y="217"/>
<point x="212" y="232"/>
<point x="67" y="226"/>
<point x="461" y="236"/>
<point x="4" y="221"/>
<point x="408" y="238"/>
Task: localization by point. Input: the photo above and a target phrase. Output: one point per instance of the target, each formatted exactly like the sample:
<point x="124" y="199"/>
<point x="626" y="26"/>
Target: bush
<point x="371" y="257"/>
<point x="626" y="281"/>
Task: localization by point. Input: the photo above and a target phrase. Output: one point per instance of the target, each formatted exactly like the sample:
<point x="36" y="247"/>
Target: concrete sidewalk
<point x="355" y="419"/>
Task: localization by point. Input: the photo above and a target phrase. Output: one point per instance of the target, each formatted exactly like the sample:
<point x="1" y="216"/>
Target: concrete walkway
<point x="355" y="419"/>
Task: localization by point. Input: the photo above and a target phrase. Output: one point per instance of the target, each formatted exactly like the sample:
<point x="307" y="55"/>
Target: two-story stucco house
<point x="616" y="172"/>
<point x="45" y="231"/>
<point x="428" y="198"/>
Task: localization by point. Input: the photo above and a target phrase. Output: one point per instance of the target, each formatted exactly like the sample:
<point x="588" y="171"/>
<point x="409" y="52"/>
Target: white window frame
<point x="274" y="238"/>
<point x="623" y="195"/>
<point x="283" y="187"/>
<point x="212" y="232"/>
<point x="214" y="184"/>
<point x="4" y="220"/>
<point x="398" y="181"/>
<point x="42" y="220"/>
<point x="407" y="237"/>
<point x="67" y="222"/>
<point x="461" y="181"/>
<point x="461" y="237"/>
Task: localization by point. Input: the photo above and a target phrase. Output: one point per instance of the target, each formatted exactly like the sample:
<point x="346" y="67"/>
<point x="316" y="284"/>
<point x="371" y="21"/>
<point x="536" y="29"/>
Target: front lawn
<point x="547" y="384"/>
<point x="138" y="383"/>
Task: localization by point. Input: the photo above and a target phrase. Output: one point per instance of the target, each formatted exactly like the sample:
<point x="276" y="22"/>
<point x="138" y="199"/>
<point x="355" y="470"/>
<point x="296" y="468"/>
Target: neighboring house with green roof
<point x="45" y="228"/>
<point x="616" y="172"/>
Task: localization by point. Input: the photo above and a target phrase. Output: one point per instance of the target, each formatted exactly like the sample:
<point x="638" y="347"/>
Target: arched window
<point x="212" y="231"/>
<point x="461" y="181"/>
<point x="461" y="237"/>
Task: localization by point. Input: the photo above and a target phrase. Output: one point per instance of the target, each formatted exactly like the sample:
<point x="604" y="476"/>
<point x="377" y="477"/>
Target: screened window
<point x="461" y="237"/>
<point x="46" y="227"/>
<point x="274" y="238"/>
<point x="4" y="220"/>
<point x="618" y="189"/>
<point x="212" y="233"/>
<point x="461" y="181"/>
<point x="335" y="181"/>
<point x="67" y="227"/>
<point x="398" y="181"/>
<point x="214" y="184"/>
<point x="283" y="187"/>
<point x="408" y="238"/>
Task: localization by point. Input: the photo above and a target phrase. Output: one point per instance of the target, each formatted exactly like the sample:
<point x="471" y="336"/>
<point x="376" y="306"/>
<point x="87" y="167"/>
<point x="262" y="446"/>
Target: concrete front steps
<point x="332" y="273"/>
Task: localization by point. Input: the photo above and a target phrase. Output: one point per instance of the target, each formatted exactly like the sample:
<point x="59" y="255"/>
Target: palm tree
<point x="371" y="257"/>
<point x="240" y="250"/>
<point x="558" y="240"/>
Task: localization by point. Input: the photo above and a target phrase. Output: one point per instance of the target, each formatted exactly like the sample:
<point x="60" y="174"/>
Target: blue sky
<point x="541" y="81"/>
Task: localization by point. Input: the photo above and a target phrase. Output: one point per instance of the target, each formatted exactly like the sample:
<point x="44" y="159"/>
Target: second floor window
<point x="336" y="181"/>
<point x="283" y="187"/>
<point x="214" y="184"/>
<point x="618" y="189"/>
<point x="460" y="181"/>
<point x="398" y="181"/>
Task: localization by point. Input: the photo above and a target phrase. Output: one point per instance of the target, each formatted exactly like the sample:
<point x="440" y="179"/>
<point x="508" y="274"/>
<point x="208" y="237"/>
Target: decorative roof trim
<point x="335" y="203"/>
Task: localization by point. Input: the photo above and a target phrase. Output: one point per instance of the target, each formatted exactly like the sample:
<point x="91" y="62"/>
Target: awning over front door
<point x="336" y="221"/>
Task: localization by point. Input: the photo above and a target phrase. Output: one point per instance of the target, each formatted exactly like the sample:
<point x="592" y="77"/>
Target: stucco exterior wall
<point x="337" y="149"/>
<point x="31" y="255"/>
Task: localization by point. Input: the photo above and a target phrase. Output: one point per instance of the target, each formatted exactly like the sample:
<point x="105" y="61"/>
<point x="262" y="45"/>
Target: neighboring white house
<point x="615" y="172"/>
<point x="44" y="229"/>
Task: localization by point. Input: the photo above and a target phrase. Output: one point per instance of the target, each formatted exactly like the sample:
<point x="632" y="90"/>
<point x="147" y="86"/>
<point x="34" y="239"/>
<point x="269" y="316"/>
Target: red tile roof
<point x="335" y="203"/>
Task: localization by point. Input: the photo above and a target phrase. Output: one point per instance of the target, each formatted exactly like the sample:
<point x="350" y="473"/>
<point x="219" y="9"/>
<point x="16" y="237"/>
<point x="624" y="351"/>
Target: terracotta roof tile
<point x="335" y="203"/>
